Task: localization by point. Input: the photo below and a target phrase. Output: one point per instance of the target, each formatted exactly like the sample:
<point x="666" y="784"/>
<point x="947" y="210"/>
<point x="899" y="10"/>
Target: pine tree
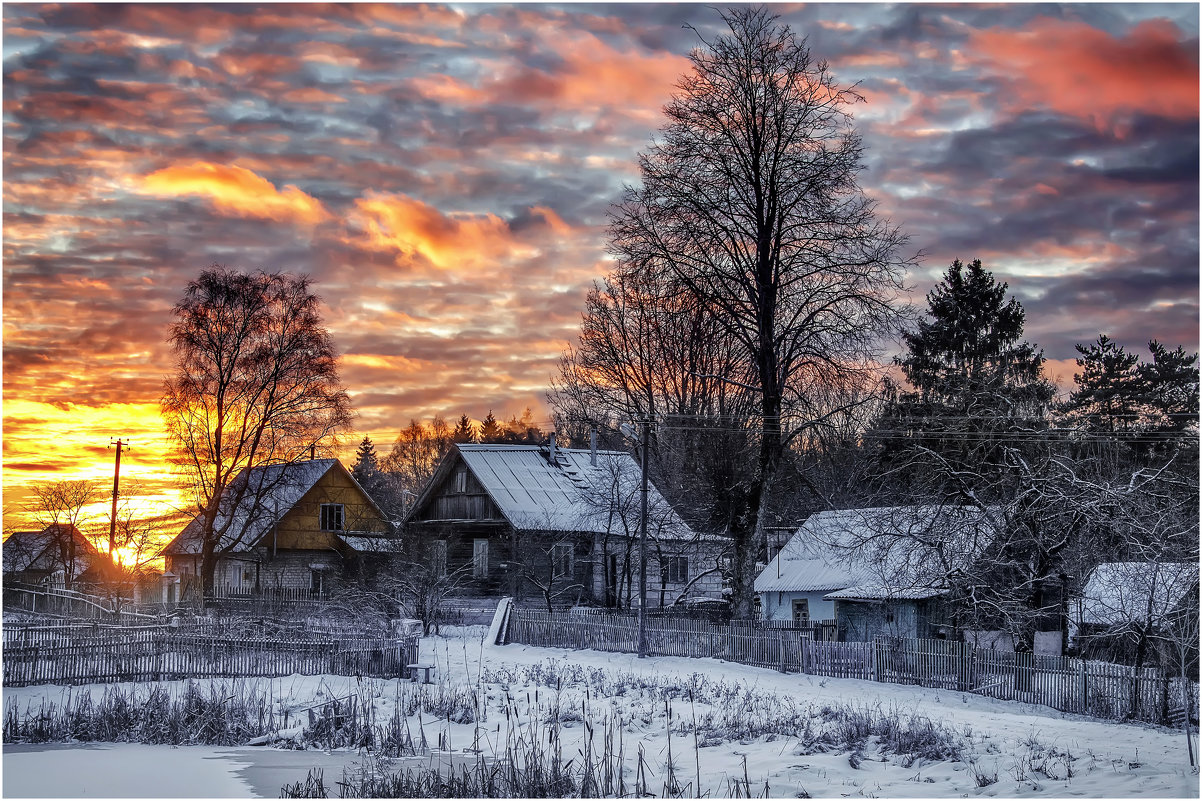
<point x="1170" y="385"/>
<point x="491" y="430"/>
<point x="1109" y="388"/>
<point x="465" y="430"/>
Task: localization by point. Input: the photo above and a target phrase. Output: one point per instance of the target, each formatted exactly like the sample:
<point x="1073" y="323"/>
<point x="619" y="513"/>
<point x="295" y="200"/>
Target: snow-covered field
<point x="757" y="729"/>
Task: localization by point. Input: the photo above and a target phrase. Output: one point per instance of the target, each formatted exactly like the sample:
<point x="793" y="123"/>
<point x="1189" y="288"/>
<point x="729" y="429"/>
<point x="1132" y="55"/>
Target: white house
<point x="1134" y="594"/>
<point x="873" y="571"/>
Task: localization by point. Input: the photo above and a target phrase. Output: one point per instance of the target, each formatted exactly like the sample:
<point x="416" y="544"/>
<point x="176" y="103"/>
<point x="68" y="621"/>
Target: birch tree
<point x="255" y="383"/>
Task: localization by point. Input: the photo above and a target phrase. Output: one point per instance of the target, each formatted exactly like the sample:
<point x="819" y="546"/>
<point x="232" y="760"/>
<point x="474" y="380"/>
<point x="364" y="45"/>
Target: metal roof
<point x="569" y="493"/>
<point x="271" y="493"/>
<point x="878" y="553"/>
<point x="39" y="550"/>
<point x="1126" y="592"/>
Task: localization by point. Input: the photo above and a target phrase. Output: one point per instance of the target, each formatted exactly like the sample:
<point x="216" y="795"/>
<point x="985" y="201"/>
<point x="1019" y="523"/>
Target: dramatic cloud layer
<point x="444" y="174"/>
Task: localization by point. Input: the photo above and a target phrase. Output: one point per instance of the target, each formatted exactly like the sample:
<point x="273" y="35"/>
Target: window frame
<point x="479" y="558"/>
<point x="558" y="561"/>
<point x="337" y="510"/>
<point x="673" y="573"/>
<point x="438" y="558"/>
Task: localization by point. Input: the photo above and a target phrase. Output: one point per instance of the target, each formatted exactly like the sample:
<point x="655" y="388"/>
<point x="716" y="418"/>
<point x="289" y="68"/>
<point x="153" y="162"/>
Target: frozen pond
<point x="132" y="770"/>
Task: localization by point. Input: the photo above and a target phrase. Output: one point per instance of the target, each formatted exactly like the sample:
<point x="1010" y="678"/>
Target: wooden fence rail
<point x="165" y="654"/>
<point x="1068" y="684"/>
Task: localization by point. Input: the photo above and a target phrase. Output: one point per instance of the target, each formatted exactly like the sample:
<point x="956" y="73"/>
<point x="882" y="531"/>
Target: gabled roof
<point x="268" y="492"/>
<point x="38" y="550"/>
<point x="899" y="552"/>
<point x="566" y="495"/>
<point x="1126" y="592"/>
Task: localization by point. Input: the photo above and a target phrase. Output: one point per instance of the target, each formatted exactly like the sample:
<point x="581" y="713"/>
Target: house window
<point x="315" y="582"/>
<point x="480" y="558"/>
<point x="676" y="570"/>
<point x="248" y="575"/>
<point x="438" y="558"/>
<point x="331" y="517"/>
<point x="461" y="481"/>
<point x="801" y="610"/>
<point x="561" y="559"/>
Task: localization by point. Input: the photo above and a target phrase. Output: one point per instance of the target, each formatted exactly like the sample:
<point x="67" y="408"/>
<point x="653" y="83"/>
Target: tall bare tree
<point x="255" y="383"/>
<point x="750" y="197"/>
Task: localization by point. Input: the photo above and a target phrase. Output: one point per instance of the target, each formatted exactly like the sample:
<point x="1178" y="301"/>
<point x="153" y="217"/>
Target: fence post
<point x="1084" y="687"/>
<point x="780" y="642"/>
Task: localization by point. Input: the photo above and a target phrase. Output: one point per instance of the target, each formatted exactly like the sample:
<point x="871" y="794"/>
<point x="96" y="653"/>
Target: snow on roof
<point x="1126" y="592"/>
<point x="267" y="493"/>
<point x="36" y="550"/>
<point x="885" y="552"/>
<point x="368" y="544"/>
<point x="570" y="495"/>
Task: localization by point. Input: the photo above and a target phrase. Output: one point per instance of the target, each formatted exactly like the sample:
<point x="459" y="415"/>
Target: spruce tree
<point x="465" y="430"/>
<point x="366" y="467"/>
<point x="977" y="386"/>
<point x="490" y="430"/>
<point x="969" y="354"/>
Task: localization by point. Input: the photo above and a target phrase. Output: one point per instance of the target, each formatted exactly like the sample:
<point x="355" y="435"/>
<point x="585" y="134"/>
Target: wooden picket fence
<point x="71" y="604"/>
<point x="164" y="654"/>
<point x="1068" y="684"/>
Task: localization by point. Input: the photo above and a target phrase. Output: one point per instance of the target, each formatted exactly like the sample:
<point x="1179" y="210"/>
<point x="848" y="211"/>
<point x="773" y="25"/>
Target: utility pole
<point x="645" y="441"/>
<point x="116" y="484"/>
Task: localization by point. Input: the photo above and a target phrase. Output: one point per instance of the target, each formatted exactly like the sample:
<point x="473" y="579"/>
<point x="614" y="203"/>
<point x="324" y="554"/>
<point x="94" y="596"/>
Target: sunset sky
<point x="444" y="172"/>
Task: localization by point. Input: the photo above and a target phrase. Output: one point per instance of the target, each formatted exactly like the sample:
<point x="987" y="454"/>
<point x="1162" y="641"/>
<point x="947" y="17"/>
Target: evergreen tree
<point x="366" y="465"/>
<point x="969" y="355"/>
<point x="977" y="386"/>
<point x="1143" y="406"/>
<point x="490" y="430"/>
<point x="465" y="430"/>
<point x="524" y="430"/>
<point x="1109" y="388"/>
<point x="1171" y="388"/>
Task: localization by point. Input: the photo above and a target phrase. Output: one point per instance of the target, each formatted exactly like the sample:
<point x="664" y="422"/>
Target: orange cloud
<point x="234" y="190"/>
<point x="1079" y="70"/>
<point x="446" y="241"/>
<point x="591" y="75"/>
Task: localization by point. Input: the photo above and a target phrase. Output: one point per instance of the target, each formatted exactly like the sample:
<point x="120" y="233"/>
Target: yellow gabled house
<point x="298" y="530"/>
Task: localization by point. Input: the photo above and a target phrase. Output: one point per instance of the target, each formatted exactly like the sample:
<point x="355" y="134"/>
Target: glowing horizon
<point x="444" y="174"/>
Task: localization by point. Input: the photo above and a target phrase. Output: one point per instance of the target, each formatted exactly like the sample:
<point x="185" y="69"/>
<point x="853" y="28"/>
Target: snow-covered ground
<point x="767" y="730"/>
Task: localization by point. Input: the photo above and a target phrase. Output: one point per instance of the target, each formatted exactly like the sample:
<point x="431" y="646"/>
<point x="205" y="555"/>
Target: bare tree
<point x="411" y="462"/>
<point x="59" y="509"/>
<point x="751" y="198"/>
<point x="255" y="383"/>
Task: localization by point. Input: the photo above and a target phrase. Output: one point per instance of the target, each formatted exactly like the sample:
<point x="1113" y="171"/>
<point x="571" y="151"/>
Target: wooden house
<point x="59" y="555"/>
<point x="869" y="570"/>
<point x="299" y="529"/>
<point x="556" y="524"/>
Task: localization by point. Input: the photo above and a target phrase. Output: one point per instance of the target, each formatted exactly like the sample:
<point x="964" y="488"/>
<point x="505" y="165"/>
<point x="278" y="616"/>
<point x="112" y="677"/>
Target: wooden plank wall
<point x="1068" y="684"/>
